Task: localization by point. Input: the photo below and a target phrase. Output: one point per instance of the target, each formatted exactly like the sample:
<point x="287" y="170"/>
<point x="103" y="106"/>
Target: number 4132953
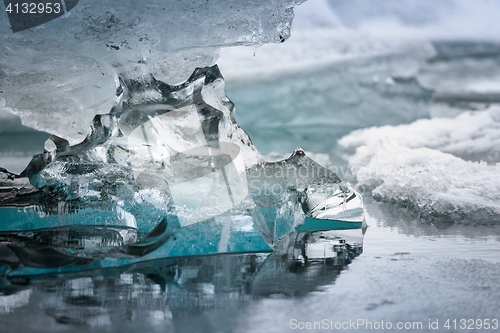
<point x="34" y="8"/>
<point x="471" y="324"/>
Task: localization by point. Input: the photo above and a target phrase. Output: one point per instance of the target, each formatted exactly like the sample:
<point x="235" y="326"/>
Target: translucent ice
<point x="171" y="177"/>
<point x="71" y="67"/>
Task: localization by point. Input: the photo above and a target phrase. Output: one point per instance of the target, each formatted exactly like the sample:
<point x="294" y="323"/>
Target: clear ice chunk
<point x="172" y="177"/>
<point x="48" y="77"/>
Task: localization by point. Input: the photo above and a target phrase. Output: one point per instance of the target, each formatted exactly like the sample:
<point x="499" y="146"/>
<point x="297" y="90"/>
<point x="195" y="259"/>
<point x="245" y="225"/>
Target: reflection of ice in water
<point x="163" y="292"/>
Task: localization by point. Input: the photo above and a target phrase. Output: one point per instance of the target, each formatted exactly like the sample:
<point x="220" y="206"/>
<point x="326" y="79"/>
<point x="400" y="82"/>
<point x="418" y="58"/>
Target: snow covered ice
<point x="426" y="166"/>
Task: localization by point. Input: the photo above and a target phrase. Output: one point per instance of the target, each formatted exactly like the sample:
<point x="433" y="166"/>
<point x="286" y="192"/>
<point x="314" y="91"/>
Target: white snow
<point x="413" y="165"/>
<point x="471" y="135"/>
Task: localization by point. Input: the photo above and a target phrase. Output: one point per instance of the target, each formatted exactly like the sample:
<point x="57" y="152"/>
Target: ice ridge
<point x="423" y="166"/>
<point x="179" y="160"/>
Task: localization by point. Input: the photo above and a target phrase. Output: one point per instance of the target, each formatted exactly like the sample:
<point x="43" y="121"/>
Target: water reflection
<point x="168" y="290"/>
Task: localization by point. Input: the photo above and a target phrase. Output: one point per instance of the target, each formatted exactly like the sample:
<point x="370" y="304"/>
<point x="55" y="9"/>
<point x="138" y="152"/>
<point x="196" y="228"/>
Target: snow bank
<point x="471" y="135"/>
<point x="418" y="166"/>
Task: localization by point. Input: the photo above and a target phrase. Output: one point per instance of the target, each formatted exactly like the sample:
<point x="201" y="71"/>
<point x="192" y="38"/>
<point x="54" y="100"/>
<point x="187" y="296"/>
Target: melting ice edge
<point x="167" y="173"/>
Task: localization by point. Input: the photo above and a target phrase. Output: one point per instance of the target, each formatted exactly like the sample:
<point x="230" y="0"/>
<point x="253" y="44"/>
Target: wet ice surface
<point x="412" y="269"/>
<point x="47" y="77"/>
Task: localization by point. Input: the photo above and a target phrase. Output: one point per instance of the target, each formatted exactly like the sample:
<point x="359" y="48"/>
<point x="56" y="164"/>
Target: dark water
<point x="409" y="271"/>
<point x="158" y="296"/>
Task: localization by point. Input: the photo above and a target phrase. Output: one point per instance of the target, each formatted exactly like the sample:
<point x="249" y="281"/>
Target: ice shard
<point x="70" y="67"/>
<point x="170" y="177"/>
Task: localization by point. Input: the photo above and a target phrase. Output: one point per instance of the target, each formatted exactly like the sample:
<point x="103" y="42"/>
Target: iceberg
<point x="173" y="176"/>
<point x="47" y="77"/>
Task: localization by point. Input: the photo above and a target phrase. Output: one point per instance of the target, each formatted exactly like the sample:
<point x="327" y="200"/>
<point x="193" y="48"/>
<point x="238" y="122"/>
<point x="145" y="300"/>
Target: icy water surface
<point x="408" y="272"/>
<point x="416" y="271"/>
